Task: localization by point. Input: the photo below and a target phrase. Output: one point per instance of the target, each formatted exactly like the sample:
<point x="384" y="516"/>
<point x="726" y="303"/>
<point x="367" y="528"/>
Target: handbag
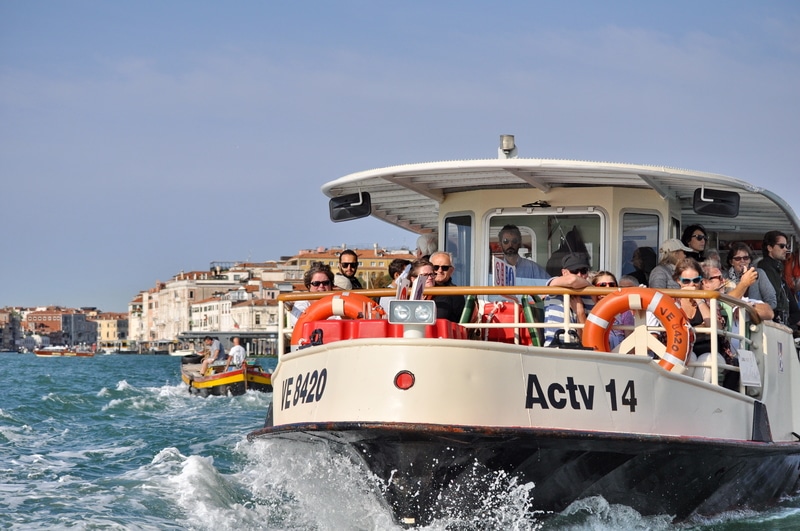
<point x="573" y="343"/>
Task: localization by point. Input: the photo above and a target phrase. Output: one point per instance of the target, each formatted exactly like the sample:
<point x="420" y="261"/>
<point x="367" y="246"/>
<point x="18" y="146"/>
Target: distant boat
<point x="233" y="382"/>
<point x="61" y="351"/>
<point x="183" y="352"/>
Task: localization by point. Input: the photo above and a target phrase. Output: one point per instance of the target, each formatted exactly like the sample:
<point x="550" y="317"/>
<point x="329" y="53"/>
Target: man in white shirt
<point x="237" y="354"/>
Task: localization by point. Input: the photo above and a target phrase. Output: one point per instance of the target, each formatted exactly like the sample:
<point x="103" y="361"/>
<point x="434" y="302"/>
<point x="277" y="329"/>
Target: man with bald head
<point x="447" y="306"/>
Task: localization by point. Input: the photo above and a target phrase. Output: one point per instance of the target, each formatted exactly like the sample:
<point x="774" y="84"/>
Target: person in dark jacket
<point x="448" y="307"/>
<point x="774" y="248"/>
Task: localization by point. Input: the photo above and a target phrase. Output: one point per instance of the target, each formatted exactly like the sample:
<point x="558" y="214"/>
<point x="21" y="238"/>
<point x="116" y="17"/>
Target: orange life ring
<point x="679" y="332"/>
<point x="345" y="304"/>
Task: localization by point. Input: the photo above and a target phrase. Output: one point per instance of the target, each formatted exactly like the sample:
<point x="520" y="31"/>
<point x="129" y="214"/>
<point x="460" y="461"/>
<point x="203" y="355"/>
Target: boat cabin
<point x="606" y="210"/>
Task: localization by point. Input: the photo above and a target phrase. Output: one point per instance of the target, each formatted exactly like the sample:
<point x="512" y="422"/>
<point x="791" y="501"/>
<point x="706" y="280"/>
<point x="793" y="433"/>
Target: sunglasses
<point x="700" y="237"/>
<point x="318" y="283"/>
<point x="740" y="258"/>
<point x="442" y="267"/>
<point x="506" y="241"/>
<point x="348" y="265"/>
<point x="606" y="284"/>
<point x="581" y="271"/>
<point x="687" y="281"/>
<point x="781" y="245"/>
<point x="715" y="277"/>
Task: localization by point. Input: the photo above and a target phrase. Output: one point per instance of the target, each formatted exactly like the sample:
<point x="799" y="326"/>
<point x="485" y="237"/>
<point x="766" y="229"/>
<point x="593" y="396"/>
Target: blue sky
<point x="139" y="139"/>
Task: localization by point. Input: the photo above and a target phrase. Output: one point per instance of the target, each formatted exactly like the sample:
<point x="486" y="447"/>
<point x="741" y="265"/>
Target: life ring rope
<point x="337" y="307"/>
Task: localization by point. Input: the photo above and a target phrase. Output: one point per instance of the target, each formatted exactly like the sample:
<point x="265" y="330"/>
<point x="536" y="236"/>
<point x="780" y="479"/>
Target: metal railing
<point x="746" y="319"/>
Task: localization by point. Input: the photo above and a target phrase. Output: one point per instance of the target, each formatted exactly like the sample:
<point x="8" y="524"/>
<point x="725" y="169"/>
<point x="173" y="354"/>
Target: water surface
<point x="117" y="442"/>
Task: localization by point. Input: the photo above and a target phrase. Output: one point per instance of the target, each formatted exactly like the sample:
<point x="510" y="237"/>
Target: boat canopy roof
<point x="409" y="195"/>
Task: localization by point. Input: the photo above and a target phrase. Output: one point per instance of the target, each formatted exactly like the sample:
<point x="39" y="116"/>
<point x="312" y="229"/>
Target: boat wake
<point x="596" y="514"/>
<point x="327" y="490"/>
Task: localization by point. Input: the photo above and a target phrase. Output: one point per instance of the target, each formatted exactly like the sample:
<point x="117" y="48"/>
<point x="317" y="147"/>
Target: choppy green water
<point x="116" y="442"/>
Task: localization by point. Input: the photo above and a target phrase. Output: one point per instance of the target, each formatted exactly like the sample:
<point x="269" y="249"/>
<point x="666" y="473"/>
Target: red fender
<point x="345" y="304"/>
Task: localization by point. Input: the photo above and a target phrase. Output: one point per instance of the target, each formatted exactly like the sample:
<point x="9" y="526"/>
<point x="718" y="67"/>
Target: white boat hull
<point x="474" y="384"/>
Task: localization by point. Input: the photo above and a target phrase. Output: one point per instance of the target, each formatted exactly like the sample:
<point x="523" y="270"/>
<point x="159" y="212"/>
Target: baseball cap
<point x="674" y="244"/>
<point x="574" y="261"/>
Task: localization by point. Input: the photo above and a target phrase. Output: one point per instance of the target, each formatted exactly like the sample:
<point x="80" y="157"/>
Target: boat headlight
<point x="412" y="312"/>
<point x="425" y="313"/>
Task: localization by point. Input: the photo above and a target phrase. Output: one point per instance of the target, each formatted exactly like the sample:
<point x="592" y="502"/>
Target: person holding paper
<point x="397" y="267"/>
<point x="423" y="269"/>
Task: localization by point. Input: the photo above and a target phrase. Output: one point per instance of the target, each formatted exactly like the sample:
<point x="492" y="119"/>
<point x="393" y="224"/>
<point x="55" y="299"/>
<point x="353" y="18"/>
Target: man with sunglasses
<point x="447" y="306"/>
<point x="510" y="239"/>
<point x="348" y="266"/>
<point x="574" y="273"/>
<point x="774" y="247"/>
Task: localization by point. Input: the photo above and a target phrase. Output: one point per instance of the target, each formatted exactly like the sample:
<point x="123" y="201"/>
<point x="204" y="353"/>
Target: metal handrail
<point x="747" y="316"/>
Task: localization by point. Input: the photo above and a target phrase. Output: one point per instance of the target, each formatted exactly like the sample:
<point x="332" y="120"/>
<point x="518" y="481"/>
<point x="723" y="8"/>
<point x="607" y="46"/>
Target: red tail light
<point x="404" y="380"/>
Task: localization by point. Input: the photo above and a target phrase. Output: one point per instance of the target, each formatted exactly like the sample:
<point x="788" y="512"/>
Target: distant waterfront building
<point x="112" y="330"/>
<point x="78" y="329"/>
<point x="10" y="330"/>
<point x="136" y="328"/>
<point x="241" y="296"/>
<point x="64" y="326"/>
<point x="373" y="264"/>
<point x="165" y="308"/>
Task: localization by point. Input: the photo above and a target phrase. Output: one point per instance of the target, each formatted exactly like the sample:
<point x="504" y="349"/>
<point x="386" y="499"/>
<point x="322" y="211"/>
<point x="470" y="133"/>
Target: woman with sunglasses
<point x="319" y="277"/>
<point x="606" y="279"/>
<point x="751" y="281"/>
<point x="689" y="274"/>
<point x="695" y="237"/>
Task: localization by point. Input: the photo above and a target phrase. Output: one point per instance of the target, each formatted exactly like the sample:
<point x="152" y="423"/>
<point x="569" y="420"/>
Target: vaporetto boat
<point x="439" y="411"/>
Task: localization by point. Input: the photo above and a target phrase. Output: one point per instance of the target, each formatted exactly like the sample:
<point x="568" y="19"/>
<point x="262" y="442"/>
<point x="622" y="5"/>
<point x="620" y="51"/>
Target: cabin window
<point x="675" y="229"/>
<point x="639" y="245"/>
<point x="458" y="242"/>
<point x="547" y="237"/>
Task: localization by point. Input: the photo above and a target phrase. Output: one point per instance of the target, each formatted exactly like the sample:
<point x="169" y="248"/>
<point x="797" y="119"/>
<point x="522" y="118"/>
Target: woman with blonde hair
<point x="670" y="253"/>
<point x="689" y="273"/>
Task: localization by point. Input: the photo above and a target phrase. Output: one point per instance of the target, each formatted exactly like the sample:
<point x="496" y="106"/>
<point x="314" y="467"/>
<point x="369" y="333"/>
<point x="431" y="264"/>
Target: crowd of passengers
<point x="682" y="264"/>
